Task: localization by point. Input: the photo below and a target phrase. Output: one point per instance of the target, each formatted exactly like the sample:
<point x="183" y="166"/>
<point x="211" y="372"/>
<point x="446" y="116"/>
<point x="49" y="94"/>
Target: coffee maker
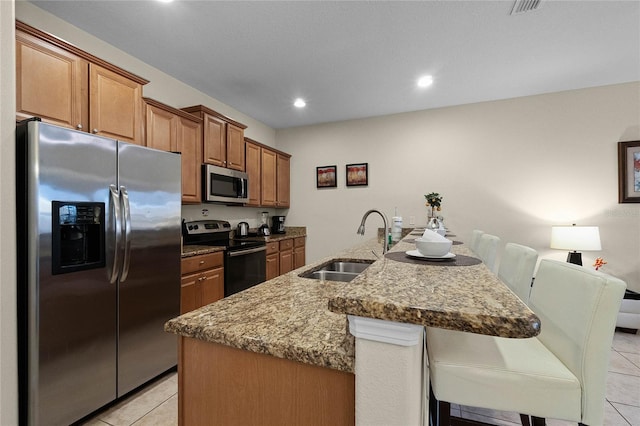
<point x="277" y="224"/>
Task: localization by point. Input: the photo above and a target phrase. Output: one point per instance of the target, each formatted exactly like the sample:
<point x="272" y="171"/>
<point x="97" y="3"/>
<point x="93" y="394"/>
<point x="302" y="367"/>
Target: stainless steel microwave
<point x="222" y="185"/>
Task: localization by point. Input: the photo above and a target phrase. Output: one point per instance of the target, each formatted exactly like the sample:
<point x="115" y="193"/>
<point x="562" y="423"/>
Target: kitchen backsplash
<point x="232" y="214"/>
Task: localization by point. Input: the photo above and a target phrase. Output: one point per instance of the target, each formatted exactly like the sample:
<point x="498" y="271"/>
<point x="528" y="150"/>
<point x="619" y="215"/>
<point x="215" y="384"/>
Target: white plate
<point x="418" y="255"/>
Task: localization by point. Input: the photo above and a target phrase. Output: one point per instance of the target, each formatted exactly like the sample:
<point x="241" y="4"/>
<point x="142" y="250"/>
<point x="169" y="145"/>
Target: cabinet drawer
<point x="299" y="241"/>
<point x="202" y="262"/>
<point x="286" y="244"/>
<point x="273" y="247"/>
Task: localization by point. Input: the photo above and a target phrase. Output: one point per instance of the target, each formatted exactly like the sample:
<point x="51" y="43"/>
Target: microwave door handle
<point x="114" y="205"/>
<point x="126" y="223"/>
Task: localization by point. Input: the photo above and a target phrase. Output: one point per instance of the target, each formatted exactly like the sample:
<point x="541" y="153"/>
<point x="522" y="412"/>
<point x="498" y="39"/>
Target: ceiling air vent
<point x="523" y="6"/>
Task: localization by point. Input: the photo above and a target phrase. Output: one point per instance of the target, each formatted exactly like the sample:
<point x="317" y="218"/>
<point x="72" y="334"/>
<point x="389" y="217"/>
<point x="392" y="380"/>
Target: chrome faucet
<point x="385" y="240"/>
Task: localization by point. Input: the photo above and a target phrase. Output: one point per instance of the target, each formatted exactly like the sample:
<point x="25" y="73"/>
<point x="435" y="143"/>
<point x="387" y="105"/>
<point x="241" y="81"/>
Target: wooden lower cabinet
<point x="273" y="260"/>
<point x="202" y="281"/>
<point x="218" y="384"/>
<point x="286" y="256"/>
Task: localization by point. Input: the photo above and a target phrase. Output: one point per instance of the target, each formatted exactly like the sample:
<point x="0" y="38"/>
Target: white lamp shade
<point x="575" y="238"/>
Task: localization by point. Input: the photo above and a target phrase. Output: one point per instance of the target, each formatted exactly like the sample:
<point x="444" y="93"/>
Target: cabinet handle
<point x="79" y="127"/>
<point x="94" y="131"/>
<point x="202" y="262"/>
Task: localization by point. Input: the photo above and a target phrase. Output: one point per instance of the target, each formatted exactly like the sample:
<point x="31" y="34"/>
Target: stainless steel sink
<point x="343" y="270"/>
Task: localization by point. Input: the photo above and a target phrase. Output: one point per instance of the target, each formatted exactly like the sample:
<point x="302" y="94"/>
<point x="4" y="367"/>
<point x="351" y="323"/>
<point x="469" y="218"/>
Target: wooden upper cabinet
<point x="252" y="162"/>
<point x="173" y="130"/>
<point x="160" y="128"/>
<point x="222" y="138"/>
<point x="51" y="83"/>
<point x="283" y="180"/>
<point x="115" y="105"/>
<point x="215" y="148"/>
<point x="190" y="146"/>
<point x="235" y="148"/>
<point x="69" y="87"/>
<point x="268" y="173"/>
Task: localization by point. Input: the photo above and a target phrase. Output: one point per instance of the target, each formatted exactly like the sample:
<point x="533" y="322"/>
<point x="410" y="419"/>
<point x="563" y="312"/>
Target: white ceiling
<point x="353" y="59"/>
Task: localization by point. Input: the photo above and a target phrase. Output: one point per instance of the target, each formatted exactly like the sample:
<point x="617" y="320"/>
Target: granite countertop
<point x="304" y="319"/>
<point x="291" y="232"/>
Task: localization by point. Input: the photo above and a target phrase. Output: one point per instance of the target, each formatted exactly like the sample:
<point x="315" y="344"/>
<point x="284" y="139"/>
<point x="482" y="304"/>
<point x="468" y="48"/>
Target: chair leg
<point x="538" y="421"/>
<point x="524" y="419"/>
<point x="444" y="413"/>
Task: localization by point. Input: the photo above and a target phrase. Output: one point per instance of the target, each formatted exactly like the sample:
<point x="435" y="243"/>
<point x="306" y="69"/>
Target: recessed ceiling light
<point x="425" y="81"/>
<point x="165" y="1"/>
<point x="299" y="103"/>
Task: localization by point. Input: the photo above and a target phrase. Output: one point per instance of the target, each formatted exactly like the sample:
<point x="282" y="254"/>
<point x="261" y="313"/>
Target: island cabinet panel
<point x="202" y="281"/>
<point x="173" y="130"/>
<point x="222" y="385"/>
<point x="69" y="87"/>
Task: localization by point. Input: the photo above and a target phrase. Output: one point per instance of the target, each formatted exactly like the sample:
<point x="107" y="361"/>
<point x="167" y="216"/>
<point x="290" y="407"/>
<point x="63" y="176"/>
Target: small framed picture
<point x="358" y="174"/>
<point x="629" y="172"/>
<point x="326" y="177"/>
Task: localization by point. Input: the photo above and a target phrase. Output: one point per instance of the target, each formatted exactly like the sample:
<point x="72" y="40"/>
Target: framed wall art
<point x="629" y="172"/>
<point x="326" y="177"/>
<point x="358" y="174"/>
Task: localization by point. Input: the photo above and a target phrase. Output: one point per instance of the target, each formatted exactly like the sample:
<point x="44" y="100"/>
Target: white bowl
<point x="433" y="248"/>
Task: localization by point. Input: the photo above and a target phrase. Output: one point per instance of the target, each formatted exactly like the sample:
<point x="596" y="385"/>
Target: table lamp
<point x="575" y="238"/>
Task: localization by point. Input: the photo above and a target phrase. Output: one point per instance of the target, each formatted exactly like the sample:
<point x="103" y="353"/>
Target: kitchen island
<point x="303" y="323"/>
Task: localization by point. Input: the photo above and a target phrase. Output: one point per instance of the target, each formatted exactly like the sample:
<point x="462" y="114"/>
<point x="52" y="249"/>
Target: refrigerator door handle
<point x="127" y="233"/>
<point x="116" y="211"/>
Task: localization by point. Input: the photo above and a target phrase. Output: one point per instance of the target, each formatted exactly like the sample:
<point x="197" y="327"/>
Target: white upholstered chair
<point x="475" y="240"/>
<point x="516" y="269"/>
<point x="559" y="374"/>
<point x="487" y="250"/>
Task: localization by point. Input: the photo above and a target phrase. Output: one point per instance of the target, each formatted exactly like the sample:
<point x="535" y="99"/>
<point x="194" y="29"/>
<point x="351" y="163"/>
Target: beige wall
<point x="512" y="168"/>
<point x="8" y="354"/>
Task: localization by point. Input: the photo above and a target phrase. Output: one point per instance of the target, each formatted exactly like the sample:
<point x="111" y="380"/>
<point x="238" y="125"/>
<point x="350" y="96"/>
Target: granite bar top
<point x="291" y="232"/>
<point x="305" y="320"/>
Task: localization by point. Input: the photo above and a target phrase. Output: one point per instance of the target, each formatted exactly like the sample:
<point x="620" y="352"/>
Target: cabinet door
<point x="212" y="286"/>
<point x="299" y="252"/>
<point x="115" y="105"/>
<point x="189" y="297"/>
<point x="268" y="196"/>
<point x="235" y="147"/>
<point x="160" y="129"/>
<point x="51" y="83"/>
<point x="299" y="257"/>
<point x="286" y="261"/>
<point x="215" y="146"/>
<point x="189" y="144"/>
<point x="253" y="170"/>
<point x="283" y="184"/>
<point x="273" y="266"/>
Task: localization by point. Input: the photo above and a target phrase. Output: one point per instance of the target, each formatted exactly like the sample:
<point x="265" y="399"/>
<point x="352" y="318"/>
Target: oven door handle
<point x="247" y="251"/>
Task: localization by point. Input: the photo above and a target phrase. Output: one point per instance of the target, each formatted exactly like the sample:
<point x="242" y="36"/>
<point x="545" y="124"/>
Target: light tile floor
<point x="157" y="404"/>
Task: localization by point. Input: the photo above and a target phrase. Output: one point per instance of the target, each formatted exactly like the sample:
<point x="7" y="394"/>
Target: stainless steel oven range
<point x="244" y="260"/>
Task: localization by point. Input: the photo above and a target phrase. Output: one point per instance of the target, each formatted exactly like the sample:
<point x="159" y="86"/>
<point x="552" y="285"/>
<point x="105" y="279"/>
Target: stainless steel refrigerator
<point x="98" y="269"/>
